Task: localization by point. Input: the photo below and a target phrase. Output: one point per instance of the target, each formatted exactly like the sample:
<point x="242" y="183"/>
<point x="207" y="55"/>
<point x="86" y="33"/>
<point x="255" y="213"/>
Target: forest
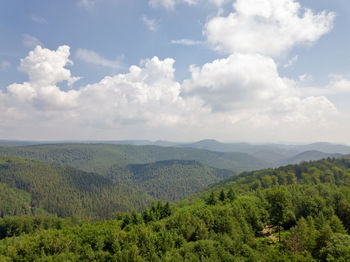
<point x="292" y="213"/>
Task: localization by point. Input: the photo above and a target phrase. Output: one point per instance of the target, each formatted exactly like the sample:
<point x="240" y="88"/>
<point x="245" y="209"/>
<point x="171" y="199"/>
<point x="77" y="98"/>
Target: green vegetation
<point x="31" y="187"/>
<point x="99" y="158"/>
<point x="168" y="180"/>
<point x="234" y="220"/>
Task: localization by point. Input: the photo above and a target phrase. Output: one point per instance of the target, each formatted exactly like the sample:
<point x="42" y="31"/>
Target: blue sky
<point x="234" y="70"/>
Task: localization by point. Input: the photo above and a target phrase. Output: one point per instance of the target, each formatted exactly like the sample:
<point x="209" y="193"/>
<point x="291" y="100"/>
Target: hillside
<point x="237" y="157"/>
<point x="238" y="219"/>
<point x="57" y="189"/>
<point x="31" y="187"/>
<point x="168" y="180"/>
<point x="307" y="156"/>
<point x="98" y="158"/>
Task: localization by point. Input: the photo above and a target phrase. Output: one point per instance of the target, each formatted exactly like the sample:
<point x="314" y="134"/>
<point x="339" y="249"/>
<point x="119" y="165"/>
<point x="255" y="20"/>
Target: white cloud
<point x="219" y="2"/>
<point x="228" y="98"/>
<point x="339" y="84"/>
<point x="5" y="65"/>
<point x="249" y="87"/>
<point x="30" y="41"/>
<point x="147" y="96"/>
<point x="291" y="61"/>
<point x="268" y="27"/>
<point x="45" y="68"/>
<point x="92" y="57"/>
<point x="151" y="24"/>
<point x="170" y="4"/>
<point x="188" y="42"/>
<point x="39" y="19"/>
<point x="305" y="78"/>
<point x="239" y="81"/>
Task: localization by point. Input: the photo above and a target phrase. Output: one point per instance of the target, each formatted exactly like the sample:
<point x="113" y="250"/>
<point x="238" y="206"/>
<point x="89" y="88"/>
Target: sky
<point x="178" y="70"/>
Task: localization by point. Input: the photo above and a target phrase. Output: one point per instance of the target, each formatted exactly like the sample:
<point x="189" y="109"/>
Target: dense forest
<point x="31" y="187"/>
<point x="168" y="180"/>
<point x="99" y="158"/>
<point x="293" y="213"/>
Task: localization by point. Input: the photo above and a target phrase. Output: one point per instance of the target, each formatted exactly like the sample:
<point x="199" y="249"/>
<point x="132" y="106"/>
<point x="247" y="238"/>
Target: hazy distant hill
<point x="237" y="157"/>
<point x="100" y="157"/>
<point x="307" y="156"/>
<point x="268" y="153"/>
<point x="324" y="147"/>
<point x="274" y="154"/>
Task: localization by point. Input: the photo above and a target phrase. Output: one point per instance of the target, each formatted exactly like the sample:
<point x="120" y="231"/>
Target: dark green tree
<point x="231" y="194"/>
<point x="222" y="196"/>
<point x="211" y="200"/>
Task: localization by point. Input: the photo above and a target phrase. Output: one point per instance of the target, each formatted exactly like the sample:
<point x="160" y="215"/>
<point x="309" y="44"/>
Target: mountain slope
<point x="307" y="156"/>
<point x="168" y="180"/>
<point x="66" y="191"/>
<point x="98" y="158"/>
<point x="236" y="220"/>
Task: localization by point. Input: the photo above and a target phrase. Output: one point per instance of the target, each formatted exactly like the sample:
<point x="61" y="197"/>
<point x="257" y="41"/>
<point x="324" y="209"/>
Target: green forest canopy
<point x="234" y="220"/>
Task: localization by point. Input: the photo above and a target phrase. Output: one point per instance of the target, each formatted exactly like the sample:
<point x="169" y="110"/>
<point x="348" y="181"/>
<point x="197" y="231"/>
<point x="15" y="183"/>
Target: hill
<point x="168" y="180"/>
<point x="98" y="158"/>
<point x="239" y="219"/>
<point x="275" y="154"/>
<point x="307" y="156"/>
<point x="31" y="187"/>
<point x="58" y="188"/>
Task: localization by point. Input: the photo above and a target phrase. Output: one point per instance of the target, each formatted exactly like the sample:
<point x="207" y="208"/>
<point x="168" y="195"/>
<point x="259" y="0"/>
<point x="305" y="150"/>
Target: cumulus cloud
<point x="231" y="96"/>
<point x="45" y="68"/>
<point x="30" y="41"/>
<point x="188" y="42"/>
<point x="90" y="56"/>
<point x="267" y="27"/>
<point x="241" y="80"/>
<point x="146" y="95"/>
<point x="249" y="87"/>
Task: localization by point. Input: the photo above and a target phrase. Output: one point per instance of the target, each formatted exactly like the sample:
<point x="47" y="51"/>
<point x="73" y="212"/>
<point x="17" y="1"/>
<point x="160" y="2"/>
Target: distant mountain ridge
<point x="98" y="158"/>
<point x="307" y="156"/>
<point x="237" y="157"/>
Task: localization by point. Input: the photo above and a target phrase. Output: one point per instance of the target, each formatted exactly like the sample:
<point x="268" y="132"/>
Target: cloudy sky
<point x="180" y="70"/>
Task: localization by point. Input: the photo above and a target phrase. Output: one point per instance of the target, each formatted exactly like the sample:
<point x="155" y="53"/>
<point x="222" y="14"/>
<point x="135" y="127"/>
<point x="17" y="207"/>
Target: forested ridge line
<point x="239" y="220"/>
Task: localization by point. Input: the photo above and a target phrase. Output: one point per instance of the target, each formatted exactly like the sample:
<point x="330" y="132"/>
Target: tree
<point x="211" y="200"/>
<point x="231" y="194"/>
<point x="279" y="201"/>
<point x="222" y="196"/>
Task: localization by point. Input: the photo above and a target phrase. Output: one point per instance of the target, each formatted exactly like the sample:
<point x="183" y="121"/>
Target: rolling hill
<point x="168" y="180"/>
<point x="293" y="213"/>
<point x="62" y="191"/>
<point x="98" y="158"/>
